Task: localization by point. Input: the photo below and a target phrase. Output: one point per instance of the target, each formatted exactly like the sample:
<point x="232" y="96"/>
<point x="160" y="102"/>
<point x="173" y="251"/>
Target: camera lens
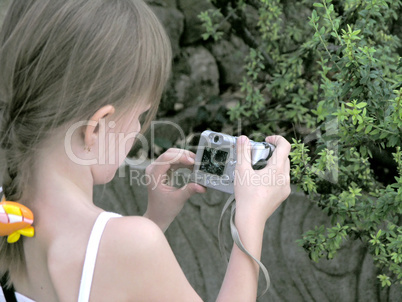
<point x="216" y="138"/>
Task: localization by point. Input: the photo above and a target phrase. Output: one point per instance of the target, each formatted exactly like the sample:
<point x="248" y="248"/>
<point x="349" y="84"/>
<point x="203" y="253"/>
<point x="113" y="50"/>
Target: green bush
<point x="329" y="73"/>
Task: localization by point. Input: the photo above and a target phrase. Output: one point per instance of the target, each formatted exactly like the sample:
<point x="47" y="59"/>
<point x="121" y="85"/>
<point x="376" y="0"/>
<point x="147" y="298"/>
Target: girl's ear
<point x="91" y="131"/>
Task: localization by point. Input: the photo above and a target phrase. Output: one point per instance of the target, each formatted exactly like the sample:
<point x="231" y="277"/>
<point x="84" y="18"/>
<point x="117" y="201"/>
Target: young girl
<point x="75" y="78"/>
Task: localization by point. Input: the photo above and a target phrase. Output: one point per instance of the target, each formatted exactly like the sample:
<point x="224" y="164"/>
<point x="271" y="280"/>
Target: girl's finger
<point x="172" y="159"/>
<point x="243" y="150"/>
<point x="281" y="152"/>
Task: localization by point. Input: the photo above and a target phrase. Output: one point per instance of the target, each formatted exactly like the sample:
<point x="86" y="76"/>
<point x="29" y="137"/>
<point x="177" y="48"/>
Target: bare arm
<point x="241" y="279"/>
<point x="148" y="269"/>
<point x="164" y="201"/>
<point x="256" y="200"/>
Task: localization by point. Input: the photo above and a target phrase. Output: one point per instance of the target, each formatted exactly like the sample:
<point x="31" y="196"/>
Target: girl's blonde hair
<point x="62" y="60"/>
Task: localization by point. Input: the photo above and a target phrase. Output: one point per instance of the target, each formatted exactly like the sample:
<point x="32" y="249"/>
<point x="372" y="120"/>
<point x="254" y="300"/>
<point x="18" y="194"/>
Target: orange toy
<point x="15" y="220"/>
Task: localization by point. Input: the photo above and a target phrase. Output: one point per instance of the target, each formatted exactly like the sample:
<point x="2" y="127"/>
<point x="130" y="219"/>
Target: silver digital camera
<point x="215" y="160"/>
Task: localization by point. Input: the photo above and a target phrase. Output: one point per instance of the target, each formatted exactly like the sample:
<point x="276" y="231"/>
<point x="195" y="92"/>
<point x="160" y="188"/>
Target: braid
<point x="5" y="125"/>
<point x="11" y="177"/>
<point x="14" y="151"/>
<point x="12" y="256"/>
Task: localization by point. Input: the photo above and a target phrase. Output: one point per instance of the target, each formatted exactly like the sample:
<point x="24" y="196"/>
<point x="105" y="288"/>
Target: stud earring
<point x="87" y="148"/>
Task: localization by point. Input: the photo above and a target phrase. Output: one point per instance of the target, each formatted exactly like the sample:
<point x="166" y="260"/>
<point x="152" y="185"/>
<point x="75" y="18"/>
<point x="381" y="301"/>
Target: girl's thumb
<point x="192" y="188"/>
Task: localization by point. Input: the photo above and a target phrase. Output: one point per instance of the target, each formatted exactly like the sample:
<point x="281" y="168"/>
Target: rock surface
<point x="3" y="8"/>
<point x="193" y="29"/>
<point x="204" y="74"/>
<point x="173" y="21"/>
<point x="350" y="276"/>
<point x="230" y="55"/>
<point x="195" y="79"/>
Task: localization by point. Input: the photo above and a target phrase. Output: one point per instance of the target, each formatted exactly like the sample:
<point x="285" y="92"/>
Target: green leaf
<point x="361" y="105"/>
<point x="317" y="4"/>
<point x="368" y="129"/>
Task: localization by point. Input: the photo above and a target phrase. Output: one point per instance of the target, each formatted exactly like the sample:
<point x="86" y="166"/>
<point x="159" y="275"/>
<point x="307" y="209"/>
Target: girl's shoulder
<point x="126" y="252"/>
<point x="131" y="234"/>
<point x="133" y="257"/>
<point x="127" y="247"/>
<point x="129" y="242"/>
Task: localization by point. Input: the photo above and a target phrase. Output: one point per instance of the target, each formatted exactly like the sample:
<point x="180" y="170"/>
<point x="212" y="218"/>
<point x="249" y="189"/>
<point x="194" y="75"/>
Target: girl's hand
<point x="259" y="192"/>
<point x="165" y="201"/>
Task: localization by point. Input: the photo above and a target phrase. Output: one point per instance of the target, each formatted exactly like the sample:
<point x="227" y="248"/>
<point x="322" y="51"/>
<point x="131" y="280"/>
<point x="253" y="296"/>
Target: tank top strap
<point x="91" y="254"/>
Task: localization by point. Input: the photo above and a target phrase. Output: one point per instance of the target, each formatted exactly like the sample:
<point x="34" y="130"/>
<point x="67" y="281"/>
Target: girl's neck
<point x="64" y="213"/>
<point x="62" y="192"/>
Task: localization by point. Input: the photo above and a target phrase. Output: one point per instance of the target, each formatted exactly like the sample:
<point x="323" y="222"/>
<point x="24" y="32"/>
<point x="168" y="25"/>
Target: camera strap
<point x="237" y="240"/>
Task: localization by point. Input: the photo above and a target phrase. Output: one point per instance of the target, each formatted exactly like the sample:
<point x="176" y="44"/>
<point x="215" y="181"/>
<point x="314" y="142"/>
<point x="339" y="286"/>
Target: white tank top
<point x="89" y="262"/>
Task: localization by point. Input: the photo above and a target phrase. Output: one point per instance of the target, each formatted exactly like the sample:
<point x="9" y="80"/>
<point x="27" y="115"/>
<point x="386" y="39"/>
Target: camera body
<point x="216" y="158"/>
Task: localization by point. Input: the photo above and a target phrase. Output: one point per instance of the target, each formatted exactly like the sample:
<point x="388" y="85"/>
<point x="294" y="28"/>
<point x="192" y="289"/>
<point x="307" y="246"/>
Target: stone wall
<point x="3" y="7"/>
<point x="200" y="69"/>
